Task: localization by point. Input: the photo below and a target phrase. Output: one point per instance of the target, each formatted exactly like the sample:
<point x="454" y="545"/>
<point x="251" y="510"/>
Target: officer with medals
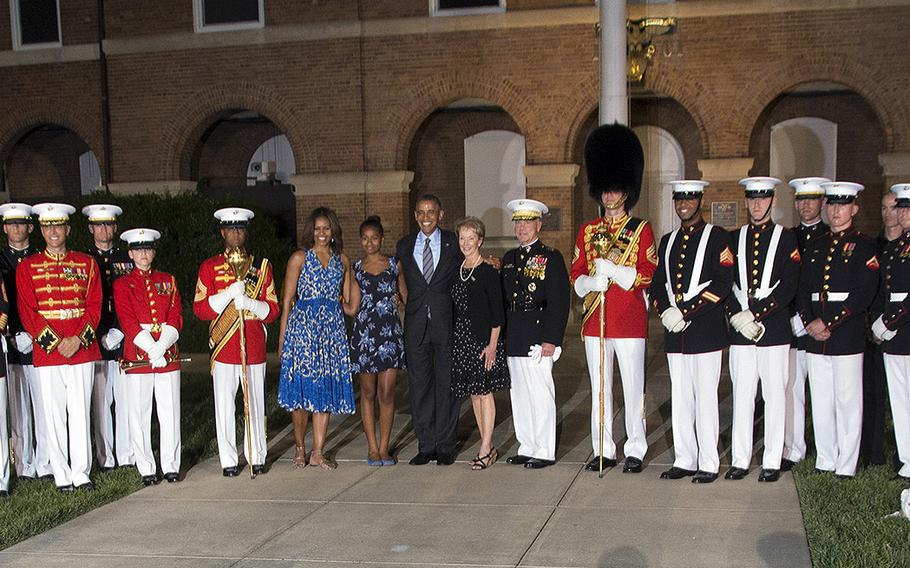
<point x="235" y="288"/>
<point x="111" y="426"/>
<point x="613" y="262"/>
<point x="891" y="327"/>
<point x="765" y="284"/>
<point x="690" y="286"/>
<point x="808" y="199"/>
<point x="536" y="290"/>
<point x="148" y="309"/>
<point x="24" y="401"/>
<point x="59" y="299"/>
<point x="836" y="288"/>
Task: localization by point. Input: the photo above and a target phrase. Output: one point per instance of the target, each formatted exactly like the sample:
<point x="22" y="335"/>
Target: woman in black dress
<point x="478" y="355"/>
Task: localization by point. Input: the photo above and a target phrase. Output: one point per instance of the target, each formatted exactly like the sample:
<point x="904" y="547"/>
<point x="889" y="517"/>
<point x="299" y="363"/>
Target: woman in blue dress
<point x="315" y="361"/>
<point x="377" y="341"/>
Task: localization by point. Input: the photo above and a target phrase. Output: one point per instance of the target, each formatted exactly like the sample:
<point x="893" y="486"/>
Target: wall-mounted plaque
<point x="723" y="214"/>
<point x="553" y="221"/>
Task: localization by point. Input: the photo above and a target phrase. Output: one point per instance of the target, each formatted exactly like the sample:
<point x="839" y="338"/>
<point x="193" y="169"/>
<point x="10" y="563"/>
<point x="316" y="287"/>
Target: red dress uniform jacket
<point x="147" y="300"/>
<point x="60" y="296"/>
<point x="215" y="275"/>
<point x="626" y="310"/>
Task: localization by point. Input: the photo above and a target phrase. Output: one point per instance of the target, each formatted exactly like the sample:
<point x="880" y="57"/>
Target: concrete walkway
<point x="451" y="516"/>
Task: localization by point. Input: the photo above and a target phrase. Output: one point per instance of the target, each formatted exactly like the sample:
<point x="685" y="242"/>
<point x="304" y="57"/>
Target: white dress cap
<point x="902" y="191"/>
<point x="688" y="188"/>
<point x="759" y="186"/>
<point x="16" y="213"/>
<point x="140" y="238"/>
<point x="102" y="213"/>
<point x="527" y="209"/>
<point x="808" y="187"/>
<point x="234" y="216"/>
<point x="841" y="191"/>
<point x="53" y="213"/>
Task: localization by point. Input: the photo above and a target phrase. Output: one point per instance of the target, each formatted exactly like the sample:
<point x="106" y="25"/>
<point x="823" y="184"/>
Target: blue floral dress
<point x="377" y="341"/>
<point x="315" y="363"/>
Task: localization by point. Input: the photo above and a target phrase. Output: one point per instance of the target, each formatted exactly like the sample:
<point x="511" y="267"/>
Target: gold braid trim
<point x="223" y="327"/>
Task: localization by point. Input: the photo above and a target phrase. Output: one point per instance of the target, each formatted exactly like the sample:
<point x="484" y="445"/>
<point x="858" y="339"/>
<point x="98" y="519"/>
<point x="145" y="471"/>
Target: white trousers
<point x="534" y="406"/>
<point x="20" y="419"/>
<point x="897" y="369"/>
<point x="836" y="382"/>
<point x="111" y="425"/>
<point x="66" y="394"/>
<point x="630" y="353"/>
<point x="695" y="418"/>
<point x="795" y="412"/>
<point x="226" y="380"/>
<point x="4" y="438"/>
<point x="165" y="388"/>
<point x="750" y="364"/>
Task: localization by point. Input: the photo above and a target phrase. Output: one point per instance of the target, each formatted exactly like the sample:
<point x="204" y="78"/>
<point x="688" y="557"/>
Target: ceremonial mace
<point x="126" y="364"/>
<point x="612" y="256"/>
<point x="237" y="258"/>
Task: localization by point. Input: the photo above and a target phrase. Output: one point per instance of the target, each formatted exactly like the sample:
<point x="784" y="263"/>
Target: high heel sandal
<point x="320" y="460"/>
<point x="300" y="457"/>
<point x="481" y="463"/>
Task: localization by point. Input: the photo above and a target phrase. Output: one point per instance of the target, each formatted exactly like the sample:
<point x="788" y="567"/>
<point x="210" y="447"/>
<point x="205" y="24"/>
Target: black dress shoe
<point x="107" y="469"/>
<point x="632" y="465"/>
<point x="704" y="477"/>
<point x="518" y="459"/>
<point x="736" y="473"/>
<point x="821" y="471"/>
<point x="536" y="463"/>
<point x="899" y="477"/>
<point x="769" y="475"/>
<point x="259" y="469"/>
<point x="445" y="459"/>
<point x="787" y="465"/>
<point x="232" y="471"/>
<point x="422" y="459"/>
<point x="4" y="493"/>
<point x="46" y="476"/>
<point x="149" y="480"/>
<point x="26" y="478"/>
<point x="676" y="473"/>
<point x="65" y="488"/>
<point x="594" y="464"/>
<point x="172" y="477"/>
<point x="87" y="486"/>
<point x="842" y="476"/>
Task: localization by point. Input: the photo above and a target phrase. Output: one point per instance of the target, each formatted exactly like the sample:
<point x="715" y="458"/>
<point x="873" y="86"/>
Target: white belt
<point x="898" y="296"/>
<point x="830" y="296"/>
<point x="156" y="327"/>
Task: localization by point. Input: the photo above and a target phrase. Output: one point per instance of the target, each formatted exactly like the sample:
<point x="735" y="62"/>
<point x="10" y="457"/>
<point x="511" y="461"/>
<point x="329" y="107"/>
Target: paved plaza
<point x="448" y="516"/>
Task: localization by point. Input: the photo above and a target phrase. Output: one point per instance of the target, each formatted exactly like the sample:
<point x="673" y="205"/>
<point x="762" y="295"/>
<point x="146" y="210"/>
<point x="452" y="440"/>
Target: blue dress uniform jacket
<point x="707" y="331"/>
<point x="893" y="300"/>
<point x="9" y="261"/>
<point x="838" y="285"/>
<point x="807" y="239"/>
<point x="536" y="293"/>
<point x="113" y="264"/>
<point x="772" y="311"/>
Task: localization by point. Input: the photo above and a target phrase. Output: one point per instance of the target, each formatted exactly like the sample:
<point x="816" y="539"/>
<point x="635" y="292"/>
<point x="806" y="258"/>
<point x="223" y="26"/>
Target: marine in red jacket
<point x="224" y="291"/>
<point x="613" y="264"/>
<point x="148" y="309"/>
<point x="59" y="297"/>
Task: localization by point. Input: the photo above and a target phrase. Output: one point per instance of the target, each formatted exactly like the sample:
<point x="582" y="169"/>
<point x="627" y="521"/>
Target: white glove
<point x="236" y="289"/>
<point x="752" y="331"/>
<point x="742" y="319"/>
<point x="584" y="285"/>
<point x="220" y="300"/>
<point x="796" y="324"/>
<point x="673" y="320"/>
<point x="23" y="342"/>
<point x="625" y="276"/>
<point x="536" y="350"/>
<point x="144" y="341"/>
<point x="159" y="362"/>
<point x="603" y="267"/>
<point x="112" y="339"/>
<point x="169" y="336"/>
<point x="880" y="331"/>
<point x="257" y="307"/>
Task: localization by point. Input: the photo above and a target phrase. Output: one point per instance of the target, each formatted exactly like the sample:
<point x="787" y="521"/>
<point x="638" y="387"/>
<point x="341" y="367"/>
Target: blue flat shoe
<point x="390" y="461"/>
<point x="374" y="463"/>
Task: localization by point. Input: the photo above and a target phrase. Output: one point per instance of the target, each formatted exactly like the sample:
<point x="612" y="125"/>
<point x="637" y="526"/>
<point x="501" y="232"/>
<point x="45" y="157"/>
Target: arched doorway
<point x="49" y="161"/>
<point x="801" y="147"/>
<point x="664" y="162"/>
<point x="494" y="163"/>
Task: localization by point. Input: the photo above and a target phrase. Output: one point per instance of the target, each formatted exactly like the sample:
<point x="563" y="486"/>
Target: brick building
<point x="381" y="100"/>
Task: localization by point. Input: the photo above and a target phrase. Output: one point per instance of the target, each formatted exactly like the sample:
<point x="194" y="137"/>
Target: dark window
<point x="455" y="4"/>
<point x="230" y="11"/>
<point x="38" y="22"/>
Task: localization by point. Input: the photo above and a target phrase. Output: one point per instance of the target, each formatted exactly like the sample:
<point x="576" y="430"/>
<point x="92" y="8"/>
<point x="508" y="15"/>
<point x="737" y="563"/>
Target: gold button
<point x="755" y="271"/>
<point x="825" y="287"/>
<point x="755" y="261"/>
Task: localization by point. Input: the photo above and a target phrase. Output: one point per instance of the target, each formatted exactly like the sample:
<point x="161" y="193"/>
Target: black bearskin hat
<point x="614" y="160"/>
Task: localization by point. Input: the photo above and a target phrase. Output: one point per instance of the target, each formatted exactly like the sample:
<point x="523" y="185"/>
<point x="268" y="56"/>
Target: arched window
<point x="664" y="162"/>
<point x="276" y="150"/>
<point x="494" y="163"/>
<point x="801" y="147"/>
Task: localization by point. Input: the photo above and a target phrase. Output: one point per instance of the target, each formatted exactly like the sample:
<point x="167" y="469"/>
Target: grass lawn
<point x="37" y="506"/>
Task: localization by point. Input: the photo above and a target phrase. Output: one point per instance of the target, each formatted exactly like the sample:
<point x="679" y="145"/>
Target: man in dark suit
<point x="430" y="259"/>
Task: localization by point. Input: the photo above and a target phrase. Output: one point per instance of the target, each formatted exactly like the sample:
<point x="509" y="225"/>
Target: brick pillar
<point x="554" y="184"/>
<point x="354" y="196"/>
<point x="724" y="175"/>
<point x="895" y="168"/>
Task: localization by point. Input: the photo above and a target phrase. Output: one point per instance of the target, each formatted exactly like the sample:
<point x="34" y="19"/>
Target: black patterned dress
<point x="377" y="341"/>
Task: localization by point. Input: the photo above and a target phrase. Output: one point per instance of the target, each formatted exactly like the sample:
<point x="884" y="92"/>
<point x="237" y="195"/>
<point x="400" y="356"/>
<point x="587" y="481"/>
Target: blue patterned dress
<point x="315" y="363"/>
<point x="377" y="341"/>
